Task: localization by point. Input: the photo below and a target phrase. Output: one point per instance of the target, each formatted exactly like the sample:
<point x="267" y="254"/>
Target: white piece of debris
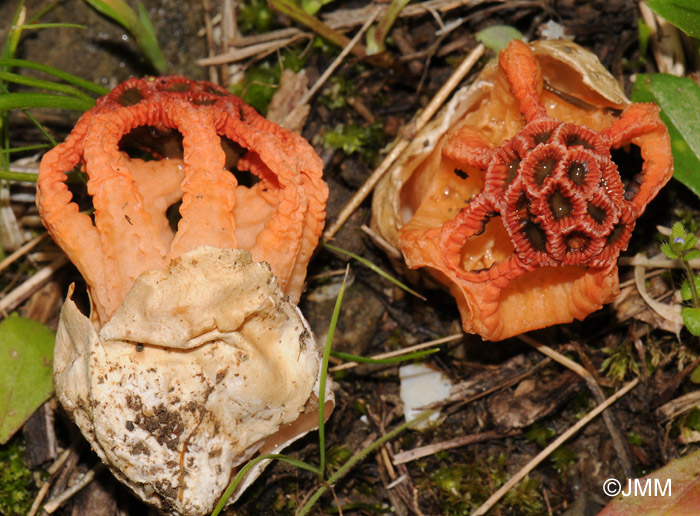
<point x="422" y="385"/>
<point x="553" y="30"/>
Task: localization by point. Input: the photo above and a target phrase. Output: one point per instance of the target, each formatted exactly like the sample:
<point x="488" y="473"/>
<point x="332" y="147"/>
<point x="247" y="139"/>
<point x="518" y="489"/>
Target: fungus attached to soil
<point x="523" y="217"/>
<point x="195" y="357"/>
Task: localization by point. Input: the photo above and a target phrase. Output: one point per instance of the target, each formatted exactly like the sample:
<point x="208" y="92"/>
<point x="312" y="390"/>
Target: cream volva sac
<point x="204" y="365"/>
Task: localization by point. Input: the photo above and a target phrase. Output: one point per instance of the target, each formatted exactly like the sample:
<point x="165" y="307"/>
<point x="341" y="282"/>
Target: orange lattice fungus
<point x="278" y="218"/>
<point x="196" y="358"/>
<point x="520" y="209"/>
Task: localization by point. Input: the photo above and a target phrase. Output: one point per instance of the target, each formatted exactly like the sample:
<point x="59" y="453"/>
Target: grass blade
<point x="358" y="457"/>
<point x="24" y="177"/>
<point x="139" y="25"/>
<point x="324" y="374"/>
<point x="50" y="26"/>
<point x="245" y="469"/>
<point x="374" y="268"/>
<point x="43" y="100"/>
<point x="26" y="148"/>
<point x="389" y="360"/>
<point x="50" y="70"/>
<point x="41" y="84"/>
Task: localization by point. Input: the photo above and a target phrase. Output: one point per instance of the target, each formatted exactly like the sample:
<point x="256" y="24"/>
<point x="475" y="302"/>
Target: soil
<point x="377" y="317"/>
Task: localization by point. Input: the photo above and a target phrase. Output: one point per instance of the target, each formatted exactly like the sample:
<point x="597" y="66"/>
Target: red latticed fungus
<point x="195" y="358"/>
<point x="514" y="202"/>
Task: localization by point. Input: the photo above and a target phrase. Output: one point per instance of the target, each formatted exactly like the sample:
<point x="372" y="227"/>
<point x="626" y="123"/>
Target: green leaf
<point x="668" y="251"/>
<point x="677" y="231"/>
<point x="679" y="99"/>
<point x="497" y="37"/>
<point x="692" y="255"/>
<point x="684" y="14"/>
<point x="26" y="371"/>
<point x="692" y="419"/>
<point x="138" y="24"/>
<point x="691" y="319"/>
<point x="563" y="457"/>
<point x="539" y="434"/>
<point x="695" y="375"/>
<point x="643" y="34"/>
<point x="686" y="293"/>
<point x="313" y="6"/>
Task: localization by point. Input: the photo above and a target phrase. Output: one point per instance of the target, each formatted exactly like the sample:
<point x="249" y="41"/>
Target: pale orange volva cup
<point x="515" y="204"/>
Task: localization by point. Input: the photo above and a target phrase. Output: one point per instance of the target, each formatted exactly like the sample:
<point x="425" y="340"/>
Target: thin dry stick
<point x="463" y="440"/>
<point x="404" y="141"/>
<point x="66" y="495"/>
<point x="43" y="491"/>
<point x="659" y="261"/>
<point x="238" y="54"/>
<point x="556" y="356"/>
<point x="386" y="246"/>
<point x="399" y="352"/>
<point x="21" y="251"/>
<point x="458" y="399"/>
<point x="647" y="275"/>
<point x="14" y="298"/>
<point x="617" y="438"/>
<point x="346" y="18"/>
<point x="336" y="63"/>
<point x="493" y="499"/>
<point x="229" y="30"/>
<point x="209" y="32"/>
<point x="245" y="41"/>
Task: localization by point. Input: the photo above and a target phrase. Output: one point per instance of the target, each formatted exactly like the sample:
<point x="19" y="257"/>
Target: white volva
<point x="204" y="365"/>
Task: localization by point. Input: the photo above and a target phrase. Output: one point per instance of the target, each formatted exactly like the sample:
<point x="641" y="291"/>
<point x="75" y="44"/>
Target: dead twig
<point x="10" y="259"/>
<point x="19" y="294"/>
<point x="253" y="39"/>
<point x="44" y="489"/>
<point x="295" y="12"/>
<point x="657" y="261"/>
<point x="495" y="497"/>
<point x="336" y="63"/>
<point x="381" y="242"/>
<point x="239" y="54"/>
<point x="463" y="440"/>
<point x="613" y="428"/>
<point x="457" y="397"/>
<point x="415" y="126"/>
<point x="347" y="18"/>
<point x="669" y="312"/>
<point x="209" y="32"/>
<point x="66" y="495"/>
<point x="402" y="351"/>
